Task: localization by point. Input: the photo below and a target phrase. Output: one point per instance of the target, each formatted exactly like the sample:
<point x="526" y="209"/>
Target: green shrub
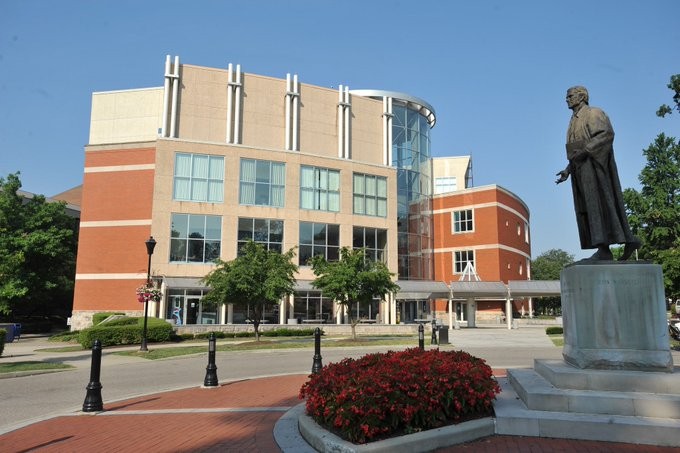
<point x="554" y="330"/>
<point x="123" y="322"/>
<point x="285" y="332"/>
<point x="3" y="332"/>
<point x="244" y="334"/>
<point x="204" y="335"/>
<point x="99" y="317"/>
<point x="157" y="330"/>
<point x="65" y="336"/>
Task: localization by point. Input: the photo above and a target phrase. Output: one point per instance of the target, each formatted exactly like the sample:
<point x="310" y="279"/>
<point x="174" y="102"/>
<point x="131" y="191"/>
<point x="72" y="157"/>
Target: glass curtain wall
<point x="411" y="157"/>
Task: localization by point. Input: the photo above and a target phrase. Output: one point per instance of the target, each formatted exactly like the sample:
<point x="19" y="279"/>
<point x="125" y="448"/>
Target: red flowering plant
<point x="387" y="394"/>
<point x="149" y="293"/>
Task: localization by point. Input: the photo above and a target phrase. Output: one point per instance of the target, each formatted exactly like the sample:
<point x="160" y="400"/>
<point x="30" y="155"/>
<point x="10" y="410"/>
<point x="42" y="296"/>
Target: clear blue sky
<point x="496" y="73"/>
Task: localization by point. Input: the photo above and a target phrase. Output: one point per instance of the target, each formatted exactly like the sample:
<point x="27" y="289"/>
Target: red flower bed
<point x="387" y="394"/>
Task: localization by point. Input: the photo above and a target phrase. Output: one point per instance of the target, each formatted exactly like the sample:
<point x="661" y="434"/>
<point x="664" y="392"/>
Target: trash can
<point x="9" y="332"/>
<point x="443" y="334"/>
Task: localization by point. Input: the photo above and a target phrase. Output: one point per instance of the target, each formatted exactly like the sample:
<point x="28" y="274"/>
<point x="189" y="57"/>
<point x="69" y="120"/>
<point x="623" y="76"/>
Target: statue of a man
<point x="598" y="201"/>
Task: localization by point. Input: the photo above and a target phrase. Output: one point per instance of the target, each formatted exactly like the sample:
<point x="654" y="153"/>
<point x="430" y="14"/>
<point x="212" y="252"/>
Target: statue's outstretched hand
<point x="563" y="176"/>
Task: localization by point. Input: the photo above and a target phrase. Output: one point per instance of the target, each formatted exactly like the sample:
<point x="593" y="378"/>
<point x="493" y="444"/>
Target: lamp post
<point x="150" y="245"/>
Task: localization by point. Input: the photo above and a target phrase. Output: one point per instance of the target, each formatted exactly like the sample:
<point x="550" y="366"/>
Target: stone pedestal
<point x="614" y="316"/>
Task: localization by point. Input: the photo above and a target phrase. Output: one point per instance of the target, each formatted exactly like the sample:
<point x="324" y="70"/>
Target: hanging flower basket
<point x="147" y="293"/>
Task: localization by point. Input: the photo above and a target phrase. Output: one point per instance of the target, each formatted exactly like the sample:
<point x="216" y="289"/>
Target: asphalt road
<point x="27" y="399"/>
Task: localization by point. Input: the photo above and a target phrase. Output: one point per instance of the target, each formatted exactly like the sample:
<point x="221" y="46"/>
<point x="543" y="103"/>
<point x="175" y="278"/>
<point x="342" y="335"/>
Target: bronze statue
<point x="598" y="200"/>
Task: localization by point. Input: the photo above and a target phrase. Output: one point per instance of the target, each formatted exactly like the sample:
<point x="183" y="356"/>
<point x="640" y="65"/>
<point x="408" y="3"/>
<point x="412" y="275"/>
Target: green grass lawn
<point x="558" y="340"/>
<point x="160" y="352"/>
<point x="13" y="367"/>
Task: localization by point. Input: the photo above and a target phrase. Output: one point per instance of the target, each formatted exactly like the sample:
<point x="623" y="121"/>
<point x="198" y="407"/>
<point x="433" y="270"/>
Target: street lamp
<point x="150" y="245"/>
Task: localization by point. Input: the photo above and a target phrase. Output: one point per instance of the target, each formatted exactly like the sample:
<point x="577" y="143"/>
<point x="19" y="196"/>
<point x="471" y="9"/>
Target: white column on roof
<point x="230" y="101"/>
<point x="287" y="106"/>
<point x="166" y="97"/>
<point x="296" y="113"/>
<point x="347" y="123"/>
<point x="341" y="120"/>
<point x="237" y="107"/>
<point x="175" y="89"/>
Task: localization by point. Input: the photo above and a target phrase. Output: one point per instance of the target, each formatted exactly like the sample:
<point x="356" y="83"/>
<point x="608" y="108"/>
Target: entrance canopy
<point x="421" y="289"/>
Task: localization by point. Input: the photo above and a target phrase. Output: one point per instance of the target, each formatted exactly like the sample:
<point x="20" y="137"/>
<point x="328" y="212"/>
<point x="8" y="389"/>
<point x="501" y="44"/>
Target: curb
<point x="424" y="441"/>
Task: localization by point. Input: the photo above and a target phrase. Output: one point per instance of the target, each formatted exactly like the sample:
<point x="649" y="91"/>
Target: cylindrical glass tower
<point x="411" y="120"/>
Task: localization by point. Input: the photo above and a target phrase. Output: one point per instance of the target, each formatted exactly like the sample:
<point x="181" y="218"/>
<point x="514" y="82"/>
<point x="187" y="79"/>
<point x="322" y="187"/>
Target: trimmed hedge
<point x="285" y="332"/>
<point x="99" y="317"/>
<point x="554" y="330"/>
<point x="3" y="332"/>
<point x="157" y="330"/>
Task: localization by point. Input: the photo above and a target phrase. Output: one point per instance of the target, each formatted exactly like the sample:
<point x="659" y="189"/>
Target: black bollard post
<point x="211" y="370"/>
<point x="316" y="364"/>
<point x="93" y="398"/>
<point x="433" y="340"/>
<point x="421" y="336"/>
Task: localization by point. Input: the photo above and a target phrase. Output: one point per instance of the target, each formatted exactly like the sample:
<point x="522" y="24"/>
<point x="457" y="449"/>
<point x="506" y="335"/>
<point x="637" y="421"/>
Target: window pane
<point x="307" y="177"/>
<point x="182" y="189"/>
<point x="247" y="170"/>
<point x="382" y="187"/>
<point x="334" y="180"/>
<point x="178" y="250"/>
<point x="334" y="235"/>
<point x="370" y="186"/>
<point x="370" y="238"/>
<point x="212" y="251"/>
<point x="217" y="168"/>
<point x="199" y="190"/>
<point x="358" y="237"/>
<point x="262" y="194"/>
<point x="200" y="166"/>
<point x="195" y="251"/>
<point x="305" y="254"/>
<point x="320" y="234"/>
<point x="334" y="202"/>
<point x="359" y="204"/>
<point x="179" y="225"/>
<point x="306" y="233"/>
<point x="261" y="230"/>
<point x="245" y="229"/>
<point x="183" y="165"/>
<point x="213" y="227"/>
<point x="263" y="171"/>
<point x="247" y="195"/>
<point x="196" y="226"/>
<point x="358" y="184"/>
<point x="382" y="208"/>
<point x="276" y="231"/>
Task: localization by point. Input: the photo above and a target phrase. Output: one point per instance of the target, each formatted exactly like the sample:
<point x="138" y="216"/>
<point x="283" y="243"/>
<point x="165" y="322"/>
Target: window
<point x="370" y="195"/>
<point x="319" y="189"/>
<point x="462" y="221"/>
<point x="374" y="240"/>
<point x="445" y="185"/>
<point x="198" y="177"/>
<point x="461" y="259"/>
<point x="195" y="238"/>
<point x="262" y="183"/>
<point x="268" y="232"/>
<point x="526" y="232"/>
<point x="318" y="239"/>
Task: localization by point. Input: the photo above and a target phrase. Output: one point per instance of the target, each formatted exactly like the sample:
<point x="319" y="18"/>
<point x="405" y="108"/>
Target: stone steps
<point x="557" y="400"/>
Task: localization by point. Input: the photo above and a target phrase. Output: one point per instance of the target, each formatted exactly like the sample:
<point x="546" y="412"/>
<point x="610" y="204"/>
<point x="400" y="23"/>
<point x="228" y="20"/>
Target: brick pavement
<point x="234" y="417"/>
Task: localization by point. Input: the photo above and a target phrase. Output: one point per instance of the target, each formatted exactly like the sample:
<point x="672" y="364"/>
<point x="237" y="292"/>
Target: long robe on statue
<point x="598" y="200"/>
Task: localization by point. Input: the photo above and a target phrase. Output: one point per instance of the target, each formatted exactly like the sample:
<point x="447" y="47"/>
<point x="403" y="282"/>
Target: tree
<point x="37" y="253"/>
<point x="547" y="266"/>
<point x="352" y="279"/>
<point x="653" y="212"/>
<point x="674" y="86"/>
<point x="258" y="278"/>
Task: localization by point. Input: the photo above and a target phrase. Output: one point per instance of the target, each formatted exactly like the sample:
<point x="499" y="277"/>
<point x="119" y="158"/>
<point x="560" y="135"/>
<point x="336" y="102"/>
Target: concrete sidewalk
<point x="237" y="416"/>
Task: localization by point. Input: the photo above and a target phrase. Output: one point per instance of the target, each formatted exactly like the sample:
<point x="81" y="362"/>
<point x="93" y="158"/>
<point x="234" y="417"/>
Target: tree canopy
<point x="257" y="278"/>
<point x="37" y="253"/>
<point x="654" y="211"/>
<point x="352" y="279"/>
<point x="547" y="266"/>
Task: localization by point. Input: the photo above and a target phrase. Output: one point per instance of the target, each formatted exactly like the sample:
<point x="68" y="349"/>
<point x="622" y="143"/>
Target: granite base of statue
<point x="614" y="316"/>
<point x="616" y="382"/>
